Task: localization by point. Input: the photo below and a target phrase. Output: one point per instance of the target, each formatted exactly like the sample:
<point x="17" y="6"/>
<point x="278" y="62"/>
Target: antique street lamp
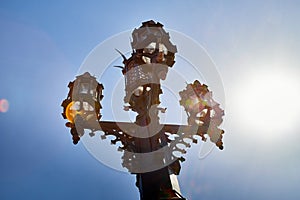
<point x="148" y="149"/>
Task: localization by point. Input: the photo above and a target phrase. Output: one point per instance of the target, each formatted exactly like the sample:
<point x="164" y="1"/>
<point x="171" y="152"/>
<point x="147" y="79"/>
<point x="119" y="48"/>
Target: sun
<point x="267" y="100"/>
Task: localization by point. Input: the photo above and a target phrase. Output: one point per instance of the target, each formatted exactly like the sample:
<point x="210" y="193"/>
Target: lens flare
<point x="4" y="105"/>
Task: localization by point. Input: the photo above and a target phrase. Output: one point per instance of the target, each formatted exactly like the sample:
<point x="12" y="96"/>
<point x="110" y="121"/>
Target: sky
<point x="254" y="46"/>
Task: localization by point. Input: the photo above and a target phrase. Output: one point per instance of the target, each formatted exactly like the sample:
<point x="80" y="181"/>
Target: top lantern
<point x="152" y="54"/>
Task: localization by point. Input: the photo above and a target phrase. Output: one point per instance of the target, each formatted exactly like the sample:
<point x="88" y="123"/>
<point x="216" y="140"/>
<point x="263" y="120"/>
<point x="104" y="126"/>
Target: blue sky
<point x="254" y="44"/>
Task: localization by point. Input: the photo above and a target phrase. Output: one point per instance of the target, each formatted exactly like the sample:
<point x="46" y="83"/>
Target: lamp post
<point x="148" y="151"/>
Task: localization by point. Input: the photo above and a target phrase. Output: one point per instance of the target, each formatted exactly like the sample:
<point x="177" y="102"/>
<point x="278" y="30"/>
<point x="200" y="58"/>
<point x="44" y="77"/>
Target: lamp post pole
<point x="148" y="151"/>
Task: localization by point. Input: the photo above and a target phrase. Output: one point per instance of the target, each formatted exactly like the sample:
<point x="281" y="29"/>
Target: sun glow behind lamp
<point x="203" y="111"/>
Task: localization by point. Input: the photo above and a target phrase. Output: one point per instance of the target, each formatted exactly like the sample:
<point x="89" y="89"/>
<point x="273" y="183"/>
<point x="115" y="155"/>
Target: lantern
<point x="82" y="105"/>
<point x="152" y="55"/>
<point x="203" y="111"/>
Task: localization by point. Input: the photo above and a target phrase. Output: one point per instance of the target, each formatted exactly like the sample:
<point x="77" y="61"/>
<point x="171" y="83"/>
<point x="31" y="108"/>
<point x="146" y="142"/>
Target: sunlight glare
<point x="269" y="101"/>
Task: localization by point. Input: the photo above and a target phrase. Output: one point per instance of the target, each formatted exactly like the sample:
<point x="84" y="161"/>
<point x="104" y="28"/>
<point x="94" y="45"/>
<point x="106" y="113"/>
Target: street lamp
<point x="148" y="151"/>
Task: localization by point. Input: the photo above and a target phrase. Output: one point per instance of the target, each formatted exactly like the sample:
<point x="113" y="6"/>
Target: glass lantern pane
<point x="150" y="48"/>
<point x="84" y="88"/>
<point x="163" y="48"/>
<point x="87" y="107"/>
<point x="93" y="93"/>
<point x="76" y="106"/>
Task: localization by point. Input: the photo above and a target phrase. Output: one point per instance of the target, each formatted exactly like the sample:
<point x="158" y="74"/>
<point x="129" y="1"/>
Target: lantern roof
<point x="86" y="75"/>
<point x="151" y="32"/>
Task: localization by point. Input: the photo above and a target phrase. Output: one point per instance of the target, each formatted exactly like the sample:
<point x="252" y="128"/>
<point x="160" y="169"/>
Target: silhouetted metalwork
<point x="149" y="151"/>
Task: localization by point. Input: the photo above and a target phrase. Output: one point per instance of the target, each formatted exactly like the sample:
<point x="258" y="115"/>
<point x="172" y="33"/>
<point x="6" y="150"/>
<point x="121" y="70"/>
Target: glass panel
<point x="150" y="48"/>
<point x="87" y="106"/>
<point x="76" y="106"/>
<point x="84" y="88"/>
<point x="94" y="94"/>
<point x="163" y="48"/>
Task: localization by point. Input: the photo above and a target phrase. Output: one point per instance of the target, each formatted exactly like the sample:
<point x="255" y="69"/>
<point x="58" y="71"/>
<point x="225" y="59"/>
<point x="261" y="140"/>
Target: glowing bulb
<point x="72" y="111"/>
